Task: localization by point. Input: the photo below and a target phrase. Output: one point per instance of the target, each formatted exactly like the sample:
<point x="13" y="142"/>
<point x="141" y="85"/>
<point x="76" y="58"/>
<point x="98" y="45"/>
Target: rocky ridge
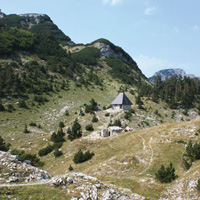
<point x="78" y="185"/>
<point x="88" y="187"/>
<point x="12" y="170"/>
<point x="167" y="73"/>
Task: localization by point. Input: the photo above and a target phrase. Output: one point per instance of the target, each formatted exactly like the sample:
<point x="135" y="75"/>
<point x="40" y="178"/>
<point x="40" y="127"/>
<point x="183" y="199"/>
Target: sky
<point x="157" y="34"/>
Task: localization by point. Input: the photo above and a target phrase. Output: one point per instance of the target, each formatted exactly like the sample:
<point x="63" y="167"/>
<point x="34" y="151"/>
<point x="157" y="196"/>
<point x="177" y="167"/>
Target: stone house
<point x="121" y="102"/>
<point x="111" y="131"/>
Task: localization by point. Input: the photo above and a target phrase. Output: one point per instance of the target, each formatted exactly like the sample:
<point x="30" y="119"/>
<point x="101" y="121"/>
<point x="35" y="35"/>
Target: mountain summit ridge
<point x="167" y="73"/>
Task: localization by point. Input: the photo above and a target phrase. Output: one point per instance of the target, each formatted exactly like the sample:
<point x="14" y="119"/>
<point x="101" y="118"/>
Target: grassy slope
<point x="131" y="159"/>
<point x="34" y="192"/>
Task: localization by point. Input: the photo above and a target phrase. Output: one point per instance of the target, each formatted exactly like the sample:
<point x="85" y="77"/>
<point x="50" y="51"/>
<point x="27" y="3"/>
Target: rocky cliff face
<point x="34" y="18"/>
<point x="106" y="51"/>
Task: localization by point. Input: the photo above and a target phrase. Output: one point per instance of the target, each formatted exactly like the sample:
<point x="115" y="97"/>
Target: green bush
<point x="70" y="168"/>
<point x="166" y="174"/>
<point x="193" y="151"/>
<point x="89" y="127"/>
<point x="186" y="164"/>
<point x="117" y="122"/>
<point x="32" y="124"/>
<point x="26" y="129"/>
<point x="61" y="125"/>
<point x="81" y="157"/>
<point x="15" y="39"/>
<point x="57" y="153"/>
<point x="35" y="161"/>
<point x="57" y="145"/>
<point x="132" y="92"/>
<point x="107" y="114"/>
<point x="59" y="137"/>
<point x="2" y="108"/>
<point x="22" y="103"/>
<point x="122" y="71"/>
<point x="127" y="115"/>
<point x="87" y="56"/>
<point x="45" y="150"/>
<point x="66" y="113"/>
<point x="40" y="99"/>
<point x="81" y="113"/>
<point x="95" y="119"/>
<point x="3" y="145"/>
<point x="198" y="185"/>
<point x="10" y="108"/>
<point x="75" y="132"/>
<point x="91" y="107"/>
<point x="17" y="152"/>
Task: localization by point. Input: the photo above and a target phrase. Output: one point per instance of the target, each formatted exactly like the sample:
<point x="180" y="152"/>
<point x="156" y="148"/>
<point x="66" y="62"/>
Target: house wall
<point x="116" y="107"/>
<point x="115" y="132"/>
<point x="105" y="133"/>
<point x="126" y="107"/>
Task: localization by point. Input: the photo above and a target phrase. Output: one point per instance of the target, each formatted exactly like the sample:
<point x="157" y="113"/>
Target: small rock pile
<point x="12" y="170"/>
<point x="82" y="187"/>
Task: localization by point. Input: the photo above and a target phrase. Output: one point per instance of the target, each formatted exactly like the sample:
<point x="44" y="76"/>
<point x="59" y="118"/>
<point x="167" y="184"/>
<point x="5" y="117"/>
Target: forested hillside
<point x="176" y="91"/>
<point x="33" y="60"/>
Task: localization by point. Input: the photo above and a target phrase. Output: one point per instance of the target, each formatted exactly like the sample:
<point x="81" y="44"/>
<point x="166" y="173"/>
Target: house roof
<point x="121" y="99"/>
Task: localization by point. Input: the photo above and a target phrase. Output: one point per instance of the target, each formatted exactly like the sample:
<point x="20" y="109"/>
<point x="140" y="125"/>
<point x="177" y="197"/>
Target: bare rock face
<point x="13" y="170"/>
<point x="107" y="51"/>
<point x="88" y="187"/>
<point x="184" y="188"/>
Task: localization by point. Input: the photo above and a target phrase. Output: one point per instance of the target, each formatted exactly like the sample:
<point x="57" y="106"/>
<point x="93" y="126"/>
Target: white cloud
<point x="150" y="10"/>
<point x="112" y="2"/>
<point x="195" y="27"/>
<point x="150" y="65"/>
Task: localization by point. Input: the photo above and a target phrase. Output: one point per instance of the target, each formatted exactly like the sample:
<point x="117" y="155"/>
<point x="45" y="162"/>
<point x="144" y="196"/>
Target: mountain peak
<point x="108" y="49"/>
<point x="32" y="15"/>
<point x="167" y="73"/>
<point x="37" y="23"/>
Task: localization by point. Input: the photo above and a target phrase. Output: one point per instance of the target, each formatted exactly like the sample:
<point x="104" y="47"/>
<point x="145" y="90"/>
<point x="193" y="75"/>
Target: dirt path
<point x="25" y="184"/>
<point x="143" y="142"/>
<point x="151" y="157"/>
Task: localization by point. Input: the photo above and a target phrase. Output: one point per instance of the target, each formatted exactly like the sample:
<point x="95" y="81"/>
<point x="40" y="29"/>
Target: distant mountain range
<point x="167" y="73"/>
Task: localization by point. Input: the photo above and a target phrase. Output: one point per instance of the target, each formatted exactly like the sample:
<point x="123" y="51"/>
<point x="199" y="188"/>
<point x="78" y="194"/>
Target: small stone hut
<point x="121" y="102"/>
<point x="111" y="131"/>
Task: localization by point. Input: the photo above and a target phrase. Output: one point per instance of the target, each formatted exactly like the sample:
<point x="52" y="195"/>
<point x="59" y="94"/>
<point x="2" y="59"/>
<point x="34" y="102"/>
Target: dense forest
<point x="175" y="91"/>
<point x="18" y="78"/>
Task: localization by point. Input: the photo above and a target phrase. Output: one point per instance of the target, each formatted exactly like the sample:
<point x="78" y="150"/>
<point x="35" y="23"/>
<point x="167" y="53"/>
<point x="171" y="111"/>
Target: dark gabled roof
<point x="121" y="99"/>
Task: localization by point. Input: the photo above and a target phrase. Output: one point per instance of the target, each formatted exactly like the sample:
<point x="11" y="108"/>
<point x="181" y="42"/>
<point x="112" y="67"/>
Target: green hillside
<point x="36" y="23"/>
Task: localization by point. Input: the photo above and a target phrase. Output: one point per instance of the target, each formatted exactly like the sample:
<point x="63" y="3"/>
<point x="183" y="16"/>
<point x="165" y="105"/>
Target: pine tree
<point x="166" y="174"/>
<point x="26" y="129"/>
<point x="3" y="145"/>
<point x="198" y="185"/>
